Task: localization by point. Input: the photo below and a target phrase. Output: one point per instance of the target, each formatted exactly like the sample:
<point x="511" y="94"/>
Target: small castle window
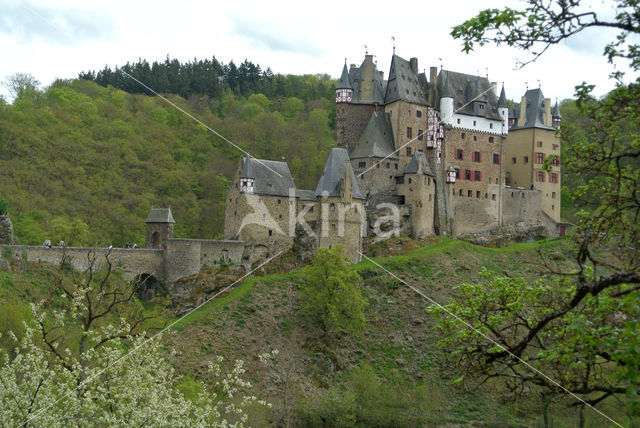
<point x="420" y="132"/>
<point x="475" y="138"/>
<point x="493" y="197"/>
<point x="409" y="132"/>
<point x="429" y="196"/>
<point x="279" y="215"/>
<point x="474" y="123"/>
<point x="429" y="181"/>
<point x="486" y="195"/>
<point x="458" y="121"/>
<point x="539" y="143"/>
<point x="409" y="181"/>
<point x="478" y="194"/>
<point x="388" y="165"/>
<point x="462" y="135"/>
<point x="469" y="193"/>
<point x="460" y="154"/>
<point x="526" y="159"/>
<point x="418" y="113"/>
<point x="553" y="195"/>
<point x="513" y="160"/>
<point x="270" y="232"/>
<point x="291" y="202"/>
<point x="279" y="201"/>
<point x="332" y="207"/>
<point x="491" y="126"/>
<point x="400" y="199"/>
<point x="378" y="165"/>
<point x="496" y="159"/>
<point x="362" y="164"/>
<point x="460" y="192"/>
<point x="477" y="176"/>
<point x="491" y="139"/>
<point x="408" y="151"/>
<point x="395" y="166"/>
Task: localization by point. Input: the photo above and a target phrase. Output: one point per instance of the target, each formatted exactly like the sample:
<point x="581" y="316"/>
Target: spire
<point x="502" y="101"/>
<point x="247" y="170"/>
<point x="447" y="92"/>
<point x="345" y="83"/>
<point x="556" y="110"/>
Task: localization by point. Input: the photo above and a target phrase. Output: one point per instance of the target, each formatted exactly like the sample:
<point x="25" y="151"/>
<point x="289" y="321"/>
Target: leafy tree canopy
<point x="331" y="292"/>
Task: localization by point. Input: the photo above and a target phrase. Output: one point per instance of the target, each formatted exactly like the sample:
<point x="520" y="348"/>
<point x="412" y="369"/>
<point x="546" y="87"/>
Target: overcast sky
<point x="59" y="39"/>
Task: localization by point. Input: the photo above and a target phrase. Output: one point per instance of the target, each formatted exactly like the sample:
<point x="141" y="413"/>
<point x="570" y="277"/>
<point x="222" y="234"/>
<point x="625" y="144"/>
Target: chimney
<point x="433" y="86"/>
<point x="547" y="112"/>
<point x="523" y="111"/>
<point x="413" y="62"/>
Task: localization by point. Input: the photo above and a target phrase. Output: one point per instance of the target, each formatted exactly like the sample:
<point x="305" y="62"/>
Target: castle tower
<point x="341" y="205"/>
<point x="556" y="117"/>
<point x="503" y="111"/>
<point x="247" y="177"/>
<point x="533" y="139"/>
<point x="344" y="91"/>
<point x="446" y="102"/>
<point x="159" y="228"/>
<point x="417" y="189"/>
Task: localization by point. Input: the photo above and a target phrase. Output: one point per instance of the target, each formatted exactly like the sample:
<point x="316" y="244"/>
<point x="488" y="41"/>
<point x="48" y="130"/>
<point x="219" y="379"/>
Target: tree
<point x="583" y="329"/>
<point x="85" y="360"/>
<point x="21" y="83"/>
<point x="332" y="294"/>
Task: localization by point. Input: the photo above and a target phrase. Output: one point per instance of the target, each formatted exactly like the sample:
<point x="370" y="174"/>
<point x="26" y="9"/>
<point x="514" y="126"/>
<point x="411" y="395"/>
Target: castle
<point x="444" y="152"/>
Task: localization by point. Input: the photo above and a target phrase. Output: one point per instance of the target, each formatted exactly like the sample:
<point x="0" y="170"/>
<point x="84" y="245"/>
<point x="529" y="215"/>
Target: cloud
<point x="27" y="23"/>
<point x="276" y="38"/>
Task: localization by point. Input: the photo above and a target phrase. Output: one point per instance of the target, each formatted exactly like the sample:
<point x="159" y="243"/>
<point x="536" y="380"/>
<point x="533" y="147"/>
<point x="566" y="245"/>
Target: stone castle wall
<point x="351" y="120"/>
<point x="182" y="257"/>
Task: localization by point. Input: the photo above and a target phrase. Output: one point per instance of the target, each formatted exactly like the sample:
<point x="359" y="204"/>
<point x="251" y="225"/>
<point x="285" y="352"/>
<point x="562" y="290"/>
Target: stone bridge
<point x="179" y="258"/>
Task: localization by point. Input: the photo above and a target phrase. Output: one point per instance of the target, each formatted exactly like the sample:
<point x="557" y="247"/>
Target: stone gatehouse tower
<point x="159" y="228"/>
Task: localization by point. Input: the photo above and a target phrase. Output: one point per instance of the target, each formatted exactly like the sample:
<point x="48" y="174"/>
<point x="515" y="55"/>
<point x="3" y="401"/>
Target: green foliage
<point x="4" y="206"/>
<point x="331" y="292"/>
<point x="79" y="153"/>
<point x="591" y="351"/>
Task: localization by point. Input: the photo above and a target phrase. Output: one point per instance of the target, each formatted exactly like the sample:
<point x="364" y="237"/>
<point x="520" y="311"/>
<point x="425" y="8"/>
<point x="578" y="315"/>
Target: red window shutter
<point x="463" y="155"/>
<point x="479" y="156"/>
<point x="499" y="159"/>
<point x="480" y="172"/>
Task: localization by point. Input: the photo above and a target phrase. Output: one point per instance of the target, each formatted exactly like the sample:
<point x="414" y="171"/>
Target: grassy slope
<point x="312" y="375"/>
<point x="264" y="314"/>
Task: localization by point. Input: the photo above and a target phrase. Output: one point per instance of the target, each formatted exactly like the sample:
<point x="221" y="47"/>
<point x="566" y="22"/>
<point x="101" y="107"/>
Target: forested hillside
<point x="84" y="163"/>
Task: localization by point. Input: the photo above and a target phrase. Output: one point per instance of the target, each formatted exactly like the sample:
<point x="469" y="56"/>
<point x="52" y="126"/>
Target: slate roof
<point x="404" y="84"/>
<point x="377" y="139"/>
<point x="534" y="111"/>
<point x="556" y="110"/>
<point x="160" y="215"/>
<point x="272" y="178"/>
<point x="345" y="83"/>
<point x="379" y="88"/>
<point x="464" y="88"/>
<point x="502" y="101"/>
<point x="418" y="159"/>
<point x="331" y="180"/>
<point x="306" y="195"/>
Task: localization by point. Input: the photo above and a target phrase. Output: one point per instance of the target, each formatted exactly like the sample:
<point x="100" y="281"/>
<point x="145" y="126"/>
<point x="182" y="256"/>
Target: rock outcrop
<point x="6" y="230"/>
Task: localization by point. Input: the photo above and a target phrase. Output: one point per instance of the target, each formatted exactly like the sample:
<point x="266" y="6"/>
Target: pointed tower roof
<point x="447" y="92"/>
<point x="247" y="170"/>
<point x="534" y="110"/>
<point x="556" y="110"/>
<point x="419" y="165"/>
<point x="403" y="83"/>
<point x="377" y="139"/>
<point x="333" y="174"/>
<point x="502" y="101"/>
<point x="345" y="82"/>
<point x="160" y="215"/>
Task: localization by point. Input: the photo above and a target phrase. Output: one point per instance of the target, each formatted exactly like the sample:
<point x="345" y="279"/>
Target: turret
<point x="344" y="91"/>
<point x="503" y="111"/>
<point x="247" y="177"/>
<point x="446" y="102"/>
<point x="556" y="117"/>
